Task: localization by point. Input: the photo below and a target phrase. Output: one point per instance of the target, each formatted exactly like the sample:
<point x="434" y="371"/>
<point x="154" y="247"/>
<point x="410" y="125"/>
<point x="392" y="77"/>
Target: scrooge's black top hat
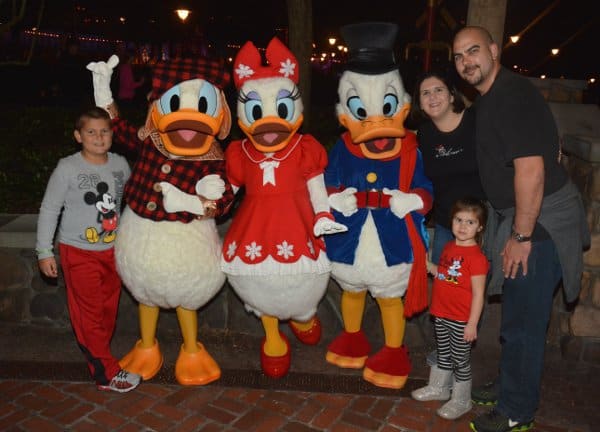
<point x="370" y="47"/>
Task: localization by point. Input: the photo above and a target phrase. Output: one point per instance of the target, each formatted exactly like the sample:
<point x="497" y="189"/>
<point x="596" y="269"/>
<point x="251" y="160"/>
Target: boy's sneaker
<point x="487" y="394"/>
<point x="122" y="382"/>
<point x="495" y="421"/>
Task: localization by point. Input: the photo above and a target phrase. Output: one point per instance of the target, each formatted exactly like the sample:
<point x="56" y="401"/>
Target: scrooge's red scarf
<point x="416" y="295"/>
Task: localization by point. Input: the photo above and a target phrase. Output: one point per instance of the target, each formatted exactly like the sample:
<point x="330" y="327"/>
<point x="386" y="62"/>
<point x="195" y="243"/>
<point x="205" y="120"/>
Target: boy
<point x="88" y="187"/>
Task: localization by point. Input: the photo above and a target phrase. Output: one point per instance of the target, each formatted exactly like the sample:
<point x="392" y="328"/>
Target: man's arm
<point x="529" y="191"/>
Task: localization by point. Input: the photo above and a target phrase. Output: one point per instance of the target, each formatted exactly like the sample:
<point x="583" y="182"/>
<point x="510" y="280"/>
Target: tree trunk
<point x="300" y="36"/>
<point x="489" y="14"/>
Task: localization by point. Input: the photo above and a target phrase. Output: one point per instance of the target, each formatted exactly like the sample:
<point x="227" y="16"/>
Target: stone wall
<point x="580" y="329"/>
<point x="561" y="90"/>
<point x="577" y="327"/>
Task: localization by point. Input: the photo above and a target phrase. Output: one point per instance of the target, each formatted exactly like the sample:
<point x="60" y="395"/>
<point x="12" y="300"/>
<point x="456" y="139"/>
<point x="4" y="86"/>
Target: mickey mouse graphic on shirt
<point x="107" y="216"/>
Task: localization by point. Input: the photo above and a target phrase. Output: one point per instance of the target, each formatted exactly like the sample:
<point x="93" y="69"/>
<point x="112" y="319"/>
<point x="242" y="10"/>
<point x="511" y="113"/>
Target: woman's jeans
<point x="441" y="236"/>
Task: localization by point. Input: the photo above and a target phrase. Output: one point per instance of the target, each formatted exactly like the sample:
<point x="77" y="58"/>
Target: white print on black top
<point x="441" y="151"/>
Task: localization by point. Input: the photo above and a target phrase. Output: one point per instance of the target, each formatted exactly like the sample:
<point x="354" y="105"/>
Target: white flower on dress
<point x="253" y="250"/>
<point x="311" y="247"/>
<point x="244" y="71"/>
<point x="287" y="68"/>
<point x="285" y="249"/>
<point x="231" y="249"/>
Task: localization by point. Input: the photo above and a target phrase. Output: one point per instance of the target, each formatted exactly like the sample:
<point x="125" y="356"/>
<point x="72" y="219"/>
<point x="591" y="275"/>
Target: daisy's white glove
<point x="344" y="201"/>
<point x="211" y="187"/>
<point x="402" y="203"/>
<point x="101" y="73"/>
<point x="175" y="200"/>
<point x="324" y="226"/>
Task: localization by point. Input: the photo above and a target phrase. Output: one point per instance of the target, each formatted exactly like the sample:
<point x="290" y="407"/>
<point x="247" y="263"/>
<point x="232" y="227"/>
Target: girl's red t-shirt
<point x="452" y="291"/>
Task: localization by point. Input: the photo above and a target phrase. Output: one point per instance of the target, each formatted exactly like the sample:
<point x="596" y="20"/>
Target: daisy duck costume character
<point x="272" y="253"/>
<point x="169" y="253"/>
<point x="377" y="189"/>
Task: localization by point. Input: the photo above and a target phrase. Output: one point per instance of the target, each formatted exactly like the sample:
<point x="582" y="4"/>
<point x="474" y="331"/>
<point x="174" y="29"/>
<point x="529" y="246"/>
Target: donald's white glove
<point x="402" y="203"/>
<point x="344" y="201"/>
<point x="211" y="187"/>
<point x="325" y="226"/>
<point x="175" y="200"/>
<point x="101" y="73"/>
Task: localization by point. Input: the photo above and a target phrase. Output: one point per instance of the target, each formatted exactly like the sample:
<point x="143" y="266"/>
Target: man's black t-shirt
<point x="513" y="120"/>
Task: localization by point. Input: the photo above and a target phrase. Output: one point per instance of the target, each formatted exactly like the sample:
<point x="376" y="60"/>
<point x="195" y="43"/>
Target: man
<point x="540" y="230"/>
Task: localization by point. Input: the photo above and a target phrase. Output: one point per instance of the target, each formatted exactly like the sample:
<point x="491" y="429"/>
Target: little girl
<point x="456" y="305"/>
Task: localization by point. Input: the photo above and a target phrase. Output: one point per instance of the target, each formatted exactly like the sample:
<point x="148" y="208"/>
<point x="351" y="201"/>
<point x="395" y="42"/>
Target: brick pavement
<point x="49" y="406"/>
<point x="44" y="386"/>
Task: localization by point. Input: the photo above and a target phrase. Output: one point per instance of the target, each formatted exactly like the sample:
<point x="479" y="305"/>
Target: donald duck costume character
<point x="378" y="189"/>
<point x="169" y="253"/>
<point x="272" y="253"/>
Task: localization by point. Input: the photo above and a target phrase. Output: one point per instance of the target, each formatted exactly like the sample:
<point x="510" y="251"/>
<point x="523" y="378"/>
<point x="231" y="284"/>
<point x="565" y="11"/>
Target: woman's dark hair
<point x="458" y="103"/>
<point x="476" y="206"/>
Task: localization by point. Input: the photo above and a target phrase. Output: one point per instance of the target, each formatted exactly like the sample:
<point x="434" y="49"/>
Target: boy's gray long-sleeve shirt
<point x="89" y="197"/>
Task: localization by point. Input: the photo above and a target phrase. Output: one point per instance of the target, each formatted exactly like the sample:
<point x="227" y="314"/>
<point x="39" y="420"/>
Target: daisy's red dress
<point x="272" y="230"/>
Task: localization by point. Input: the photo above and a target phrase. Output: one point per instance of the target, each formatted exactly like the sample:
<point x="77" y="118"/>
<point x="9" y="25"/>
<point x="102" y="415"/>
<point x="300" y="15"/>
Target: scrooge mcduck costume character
<point x="272" y="253"/>
<point x="168" y="253"/>
<point x="379" y="191"/>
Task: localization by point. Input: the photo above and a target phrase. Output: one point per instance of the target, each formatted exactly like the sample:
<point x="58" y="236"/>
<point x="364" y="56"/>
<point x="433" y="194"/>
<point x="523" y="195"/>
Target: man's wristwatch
<point x="520" y="237"/>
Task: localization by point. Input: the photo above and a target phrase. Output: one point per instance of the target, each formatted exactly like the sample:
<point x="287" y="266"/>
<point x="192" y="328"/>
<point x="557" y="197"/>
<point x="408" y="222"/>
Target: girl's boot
<point x="438" y="387"/>
<point x="460" y="403"/>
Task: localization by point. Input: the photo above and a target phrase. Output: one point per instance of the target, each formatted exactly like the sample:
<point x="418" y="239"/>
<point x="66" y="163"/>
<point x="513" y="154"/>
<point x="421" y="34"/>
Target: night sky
<point x="571" y="23"/>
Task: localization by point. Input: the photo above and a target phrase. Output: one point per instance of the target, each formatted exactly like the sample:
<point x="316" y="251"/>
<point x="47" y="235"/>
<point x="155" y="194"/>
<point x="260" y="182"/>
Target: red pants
<point x="93" y="291"/>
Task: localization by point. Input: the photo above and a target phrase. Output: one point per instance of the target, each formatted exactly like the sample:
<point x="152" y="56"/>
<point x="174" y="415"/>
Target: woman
<point x="446" y="136"/>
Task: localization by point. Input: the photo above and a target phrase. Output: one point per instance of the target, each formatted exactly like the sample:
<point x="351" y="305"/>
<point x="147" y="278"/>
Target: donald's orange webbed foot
<point x="143" y="361"/>
<point x="197" y="368"/>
